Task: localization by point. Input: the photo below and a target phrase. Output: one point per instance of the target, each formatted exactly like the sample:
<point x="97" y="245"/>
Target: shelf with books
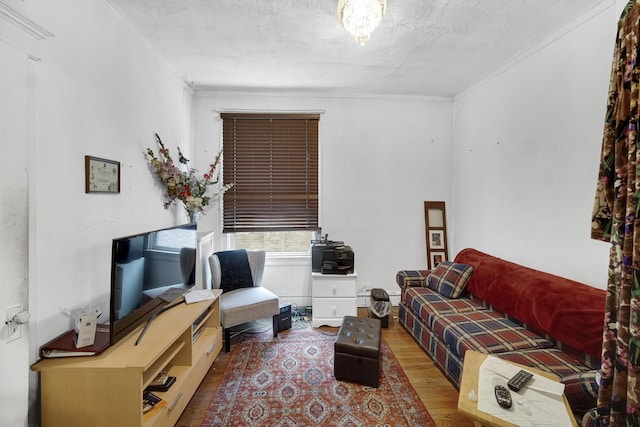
<point x="162" y="382"/>
<point x="151" y="405"/>
<point x="162" y="362"/>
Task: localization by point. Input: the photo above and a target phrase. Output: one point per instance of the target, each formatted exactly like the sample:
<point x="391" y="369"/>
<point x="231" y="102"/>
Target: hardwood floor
<point x="436" y="392"/>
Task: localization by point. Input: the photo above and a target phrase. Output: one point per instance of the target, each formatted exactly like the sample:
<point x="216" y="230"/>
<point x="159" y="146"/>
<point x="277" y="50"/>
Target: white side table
<point x="333" y="297"/>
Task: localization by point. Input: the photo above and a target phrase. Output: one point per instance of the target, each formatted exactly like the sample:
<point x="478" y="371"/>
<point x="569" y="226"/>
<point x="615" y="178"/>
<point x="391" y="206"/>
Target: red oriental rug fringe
<point x="288" y="381"/>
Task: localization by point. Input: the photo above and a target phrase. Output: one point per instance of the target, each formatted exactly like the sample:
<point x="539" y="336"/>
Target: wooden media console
<point x="106" y="390"/>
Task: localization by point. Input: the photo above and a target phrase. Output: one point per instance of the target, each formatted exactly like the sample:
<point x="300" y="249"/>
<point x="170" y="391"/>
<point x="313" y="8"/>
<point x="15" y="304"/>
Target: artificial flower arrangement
<point x="184" y="185"/>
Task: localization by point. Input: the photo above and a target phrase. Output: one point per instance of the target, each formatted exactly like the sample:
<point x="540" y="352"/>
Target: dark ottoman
<point x="357" y="355"/>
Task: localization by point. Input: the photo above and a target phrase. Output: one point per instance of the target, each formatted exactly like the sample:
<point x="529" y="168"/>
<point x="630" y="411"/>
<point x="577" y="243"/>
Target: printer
<point x="331" y="257"/>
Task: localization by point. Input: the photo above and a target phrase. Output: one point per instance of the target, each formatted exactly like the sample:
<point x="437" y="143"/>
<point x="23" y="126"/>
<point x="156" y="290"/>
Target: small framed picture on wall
<point x="101" y="175"/>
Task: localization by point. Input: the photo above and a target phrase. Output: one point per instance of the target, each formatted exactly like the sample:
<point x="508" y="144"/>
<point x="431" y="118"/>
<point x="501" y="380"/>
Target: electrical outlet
<point x="14" y="330"/>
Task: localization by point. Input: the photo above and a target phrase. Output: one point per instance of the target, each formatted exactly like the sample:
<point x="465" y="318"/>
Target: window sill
<point x="289" y="258"/>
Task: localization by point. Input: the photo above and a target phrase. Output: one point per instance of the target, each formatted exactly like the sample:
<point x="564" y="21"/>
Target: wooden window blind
<point x="272" y="160"/>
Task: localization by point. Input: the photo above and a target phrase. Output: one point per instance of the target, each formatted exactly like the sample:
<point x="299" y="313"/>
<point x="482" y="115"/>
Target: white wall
<point x="100" y="92"/>
<point x="527" y="149"/>
<point x="15" y="104"/>
<point x="381" y="158"/>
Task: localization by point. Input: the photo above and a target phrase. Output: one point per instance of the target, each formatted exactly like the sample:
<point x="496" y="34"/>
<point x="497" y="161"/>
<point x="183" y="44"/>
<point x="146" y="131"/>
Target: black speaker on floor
<point x="284" y="318"/>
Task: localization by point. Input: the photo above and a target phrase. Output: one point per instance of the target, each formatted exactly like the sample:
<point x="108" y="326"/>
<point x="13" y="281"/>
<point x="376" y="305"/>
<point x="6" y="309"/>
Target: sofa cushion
<point x="581" y="390"/>
<point x="551" y="360"/>
<point x="446" y="361"/>
<point x="551" y="304"/>
<point x="449" y="278"/>
<point x="428" y="303"/>
<point x="486" y="332"/>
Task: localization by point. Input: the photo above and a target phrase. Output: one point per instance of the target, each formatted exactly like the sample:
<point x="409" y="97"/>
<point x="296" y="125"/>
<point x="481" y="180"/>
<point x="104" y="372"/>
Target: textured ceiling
<point x="422" y="47"/>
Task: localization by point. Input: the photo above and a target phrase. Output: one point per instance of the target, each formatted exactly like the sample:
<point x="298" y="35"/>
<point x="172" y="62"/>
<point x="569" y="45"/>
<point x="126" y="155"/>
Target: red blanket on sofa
<point x="570" y="311"/>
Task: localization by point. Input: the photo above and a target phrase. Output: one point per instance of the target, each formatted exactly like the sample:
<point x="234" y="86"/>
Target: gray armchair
<point x="243" y="304"/>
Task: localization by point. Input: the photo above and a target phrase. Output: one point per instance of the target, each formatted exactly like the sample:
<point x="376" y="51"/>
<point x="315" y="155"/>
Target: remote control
<point x="503" y="397"/>
<point x="519" y="380"/>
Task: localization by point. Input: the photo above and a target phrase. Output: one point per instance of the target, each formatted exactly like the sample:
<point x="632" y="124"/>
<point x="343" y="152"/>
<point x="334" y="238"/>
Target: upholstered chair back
<point x="256" y="263"/>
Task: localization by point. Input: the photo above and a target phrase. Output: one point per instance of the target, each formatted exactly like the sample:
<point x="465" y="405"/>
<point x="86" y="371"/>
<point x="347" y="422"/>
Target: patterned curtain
<point x="615" y="220"/>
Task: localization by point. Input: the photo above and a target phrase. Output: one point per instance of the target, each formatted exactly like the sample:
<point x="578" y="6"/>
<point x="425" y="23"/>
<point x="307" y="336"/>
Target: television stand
<point x="106" y="390"/>
<point x="153" y="316"/>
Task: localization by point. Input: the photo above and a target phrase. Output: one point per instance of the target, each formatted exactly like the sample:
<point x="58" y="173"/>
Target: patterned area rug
<point x="288" y="381"/>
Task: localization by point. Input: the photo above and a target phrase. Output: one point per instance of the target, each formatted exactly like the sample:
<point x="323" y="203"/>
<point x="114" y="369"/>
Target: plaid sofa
<point x="508" y="310"/>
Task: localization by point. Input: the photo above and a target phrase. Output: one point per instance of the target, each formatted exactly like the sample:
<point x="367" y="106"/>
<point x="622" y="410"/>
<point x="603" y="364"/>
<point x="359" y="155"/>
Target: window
<point x="275" y="241"/>
<point x="173" y="240"/>
<point x="272" y="159"/>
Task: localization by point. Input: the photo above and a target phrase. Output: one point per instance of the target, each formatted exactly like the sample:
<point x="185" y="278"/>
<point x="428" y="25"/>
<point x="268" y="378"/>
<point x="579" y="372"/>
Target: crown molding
<point x="22" y="22"/>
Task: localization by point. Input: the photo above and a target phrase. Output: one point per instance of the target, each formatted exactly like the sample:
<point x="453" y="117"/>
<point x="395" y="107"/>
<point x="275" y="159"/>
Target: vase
<point x="192" y="214"/>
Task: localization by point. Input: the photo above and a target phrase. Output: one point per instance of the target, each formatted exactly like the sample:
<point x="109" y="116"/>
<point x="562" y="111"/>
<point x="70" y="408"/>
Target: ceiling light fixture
<point x="361" y="17"/>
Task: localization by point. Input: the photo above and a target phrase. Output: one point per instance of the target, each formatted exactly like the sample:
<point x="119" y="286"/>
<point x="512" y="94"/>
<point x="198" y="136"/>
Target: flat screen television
<point x="148" y="271"/>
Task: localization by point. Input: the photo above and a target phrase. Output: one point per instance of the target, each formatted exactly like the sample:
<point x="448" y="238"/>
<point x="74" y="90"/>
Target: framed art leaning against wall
<point x="435" y="222"/>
